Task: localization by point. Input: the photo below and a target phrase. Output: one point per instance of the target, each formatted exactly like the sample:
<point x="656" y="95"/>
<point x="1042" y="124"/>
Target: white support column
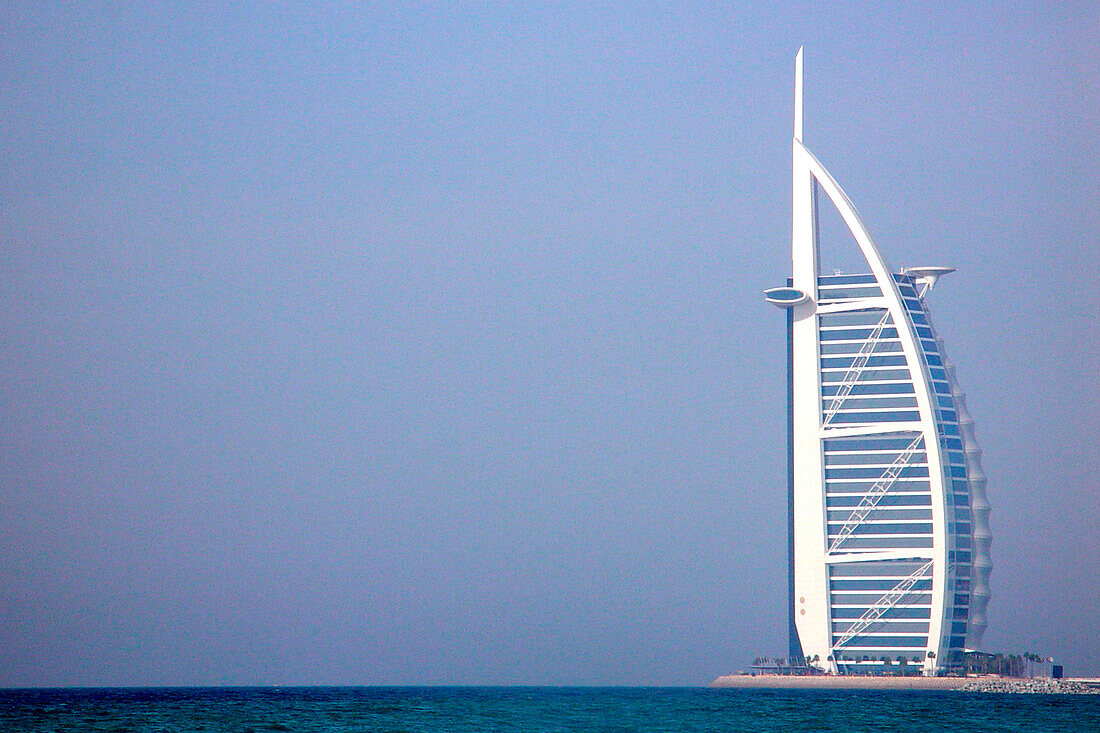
<point x="811" y="591"/>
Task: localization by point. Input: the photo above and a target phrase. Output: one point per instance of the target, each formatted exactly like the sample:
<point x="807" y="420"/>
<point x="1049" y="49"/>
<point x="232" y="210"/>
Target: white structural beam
<point x="878" y="556"/>
<point x="811" y="597"/>
<point x="852" y="305"/>
<point x="872" y="429"/>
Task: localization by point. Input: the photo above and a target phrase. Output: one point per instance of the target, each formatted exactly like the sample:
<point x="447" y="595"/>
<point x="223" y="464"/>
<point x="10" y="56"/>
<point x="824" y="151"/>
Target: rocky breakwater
<point x="1039" y="686"/>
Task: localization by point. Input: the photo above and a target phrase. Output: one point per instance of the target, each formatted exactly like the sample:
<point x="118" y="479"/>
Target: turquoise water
<point x="422" y="709"/>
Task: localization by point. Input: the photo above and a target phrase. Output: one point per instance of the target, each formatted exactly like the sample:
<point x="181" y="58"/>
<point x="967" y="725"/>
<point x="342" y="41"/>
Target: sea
<point x="461" y="709"/>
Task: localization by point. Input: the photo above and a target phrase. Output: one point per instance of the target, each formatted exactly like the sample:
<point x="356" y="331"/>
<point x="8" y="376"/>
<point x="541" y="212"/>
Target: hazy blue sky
<point x="425" y="343"/>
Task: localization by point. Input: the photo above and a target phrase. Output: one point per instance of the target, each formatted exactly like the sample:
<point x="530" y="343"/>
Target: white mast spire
<point x="798" y="95"/>
<point x="803" y="234"/>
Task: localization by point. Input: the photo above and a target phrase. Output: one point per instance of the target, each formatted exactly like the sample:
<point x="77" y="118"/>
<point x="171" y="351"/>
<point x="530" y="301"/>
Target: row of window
<point x="860" y="279"/>
<point x="846" y="417"/>
<point x="871" y="388"/>
<point x="875" y="473"/>
<point x="869" y="599"/>
<point x="879" y="642"/>
<point x="899" y="486"/>
<point x="884" y="528"/>
<point x="905" y="482"/>
<point x="846" y="362"/>
<point x="883" y="584"/>
<point x="888" y="627"/>
<point x="882" y="514"/>
<point x="855" y="612"/>
<point x="837" y="376"/>
<point x="890" y="499"/>
<point x="870" y="317"/>
<point x="829" y="294"/>
<point x="866" y="443"/>
<point x="888" y="543"/>
<point x="863" y="401"/>
<point x="857" y="334"/>
<point x="854" y="347"/>
<point x="884" y="568"/>
<point x="887" y="514"/>
<point x="878" y="459"/>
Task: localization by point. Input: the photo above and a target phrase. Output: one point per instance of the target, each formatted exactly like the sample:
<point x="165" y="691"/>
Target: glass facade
<point x="878" y="496"/>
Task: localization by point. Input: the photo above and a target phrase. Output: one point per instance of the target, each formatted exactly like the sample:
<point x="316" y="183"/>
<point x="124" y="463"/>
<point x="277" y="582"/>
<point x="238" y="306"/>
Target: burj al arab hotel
<point x="888" y="519"/>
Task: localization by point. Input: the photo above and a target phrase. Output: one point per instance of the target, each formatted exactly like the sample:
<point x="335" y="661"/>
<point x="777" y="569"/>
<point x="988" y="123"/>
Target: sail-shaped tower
<point x="888" y="527"/>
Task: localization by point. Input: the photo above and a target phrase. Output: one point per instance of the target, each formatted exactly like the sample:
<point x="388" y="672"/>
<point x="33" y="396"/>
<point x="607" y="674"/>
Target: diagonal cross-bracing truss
<point x="884" y="604"/>
<point x="857" y="367"/>
<point x="876" y="492"/>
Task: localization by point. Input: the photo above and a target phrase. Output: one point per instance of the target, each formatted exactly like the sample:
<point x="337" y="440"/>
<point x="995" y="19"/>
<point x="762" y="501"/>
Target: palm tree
<point x="1015" y="666"/>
